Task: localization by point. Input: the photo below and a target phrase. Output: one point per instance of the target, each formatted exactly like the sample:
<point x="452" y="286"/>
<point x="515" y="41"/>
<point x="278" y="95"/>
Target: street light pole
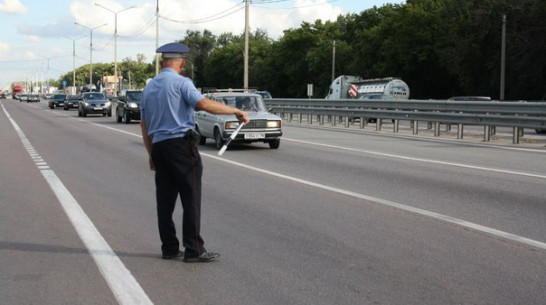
<point x="90" y="50"/>
<point x="115" y="35"/>
<point x="74" y="61"/>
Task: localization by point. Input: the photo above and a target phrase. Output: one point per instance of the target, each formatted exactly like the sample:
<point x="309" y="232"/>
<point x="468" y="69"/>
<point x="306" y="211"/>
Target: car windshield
<point x="134" y="97"/>
<point x="72" y="97"/>
<point x="95" y="96"/>
<point x="246" y="103"/>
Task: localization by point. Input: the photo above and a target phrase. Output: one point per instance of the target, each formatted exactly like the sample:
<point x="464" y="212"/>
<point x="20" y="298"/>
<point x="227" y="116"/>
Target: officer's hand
<point x="151" y="163"/>
<point x="242" y="116"/>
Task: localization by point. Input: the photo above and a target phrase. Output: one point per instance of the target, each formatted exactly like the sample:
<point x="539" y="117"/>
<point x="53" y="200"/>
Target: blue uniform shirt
<point x="168" y="103"/>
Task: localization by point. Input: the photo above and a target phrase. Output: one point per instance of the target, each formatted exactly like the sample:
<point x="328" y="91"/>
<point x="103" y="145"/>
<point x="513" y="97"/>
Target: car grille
<point x="256" y="124"/>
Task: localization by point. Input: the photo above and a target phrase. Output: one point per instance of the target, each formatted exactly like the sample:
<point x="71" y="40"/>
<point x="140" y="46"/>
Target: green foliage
<point x="440" y="48"/>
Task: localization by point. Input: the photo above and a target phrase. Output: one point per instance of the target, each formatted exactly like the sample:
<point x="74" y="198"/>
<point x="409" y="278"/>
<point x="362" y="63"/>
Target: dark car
<point x="2" y="95"/>
<point x="94" y="103"/>
<point x="71" y="101"/>
<point x="128" y="107"/>
<point x="56" y="100"/>
<point x="33" y="98"/>
<point x="22" y="97"/>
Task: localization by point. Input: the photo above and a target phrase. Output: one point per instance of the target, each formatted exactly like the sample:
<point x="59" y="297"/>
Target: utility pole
<point x="334" y="60"/>
<point x="157" y="37"/>
<point x="503" y="57"/>
<point x="245" y="86"/>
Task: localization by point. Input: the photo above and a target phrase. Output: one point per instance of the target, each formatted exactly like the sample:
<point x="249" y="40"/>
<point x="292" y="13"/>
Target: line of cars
<point x="263" y="126"/>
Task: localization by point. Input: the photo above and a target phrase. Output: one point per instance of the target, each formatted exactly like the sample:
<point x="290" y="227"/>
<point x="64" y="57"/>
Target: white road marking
<point x="396" y="205"/>
<point x="124" y="286"/>
<point x="487" y="169"/>
<point x="400" y="206"/>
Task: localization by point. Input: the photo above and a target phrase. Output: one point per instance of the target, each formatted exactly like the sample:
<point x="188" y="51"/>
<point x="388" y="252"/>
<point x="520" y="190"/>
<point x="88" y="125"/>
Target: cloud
<point x="13" y="7"/>
<point x="33" y="38"/>
<point x="4" y="47"/>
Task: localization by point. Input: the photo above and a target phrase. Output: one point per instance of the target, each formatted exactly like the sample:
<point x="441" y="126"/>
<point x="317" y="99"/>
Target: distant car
<point x="33" y="98"/>
<point x="470" y="98"/>
<point x="264" y="94"/>
<point x="71" y="101"/>
<point x="22" y="97"/>
<point x="2" y="95"/>
<point x="57" y="100"/>
<point x="94" y="103"/>
<point x="263" y="126"/>
<point x="128" y="106"/>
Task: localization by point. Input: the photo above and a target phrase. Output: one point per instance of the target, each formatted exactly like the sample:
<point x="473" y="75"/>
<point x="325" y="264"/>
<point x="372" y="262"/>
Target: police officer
<point x="167" y="122"/>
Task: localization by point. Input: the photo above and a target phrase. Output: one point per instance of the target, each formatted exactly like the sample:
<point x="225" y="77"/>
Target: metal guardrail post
<point x="415" y="127"/>
<point x="321" y="120"/>
<point x="486" y="133"/>
<point x="515" y="135"/>
<point x="363" y="122"/>
<point x="310" y="119"/>
<point x="347" y="122"/>
<point x="436" y="129"/>
<point x="460" y="131"/>
<point x="300" y="117"/>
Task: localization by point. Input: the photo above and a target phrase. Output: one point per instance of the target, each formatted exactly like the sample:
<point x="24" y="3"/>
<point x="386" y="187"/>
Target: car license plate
<point x="97" y="108"/>
<point x="254" y="135"/>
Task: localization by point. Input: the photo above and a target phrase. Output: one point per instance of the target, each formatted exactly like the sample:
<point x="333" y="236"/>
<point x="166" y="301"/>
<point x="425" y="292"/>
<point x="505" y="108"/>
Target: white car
<point x="263" y="126"/>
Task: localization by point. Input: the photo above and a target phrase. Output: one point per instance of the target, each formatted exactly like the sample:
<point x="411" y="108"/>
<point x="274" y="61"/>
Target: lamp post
<point x="115" y="34"/>
<point x="90" y="50"/>
<point x="74" y="61"/>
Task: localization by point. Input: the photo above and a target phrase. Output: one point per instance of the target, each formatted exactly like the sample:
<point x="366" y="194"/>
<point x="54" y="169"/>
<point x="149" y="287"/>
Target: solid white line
<point x="124" y="286"/>
<point x="488" y="169"/>
<point x="441" y="217"/>
<point x="396" y="205"/>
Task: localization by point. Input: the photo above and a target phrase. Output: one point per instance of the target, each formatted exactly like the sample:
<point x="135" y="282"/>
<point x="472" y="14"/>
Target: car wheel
<point x="110" y="113"/>
<point x="79" y="112"/>
<point x="274" y="144"/>
<point x="83" y="113"/>
<point x="118" y="117"/>
<point x="126" y="117"/>
<point x="218" y="139"/>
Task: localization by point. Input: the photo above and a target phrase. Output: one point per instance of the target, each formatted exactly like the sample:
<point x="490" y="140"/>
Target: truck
<point x="16" y="90"/>
<point x="354" y="87"/>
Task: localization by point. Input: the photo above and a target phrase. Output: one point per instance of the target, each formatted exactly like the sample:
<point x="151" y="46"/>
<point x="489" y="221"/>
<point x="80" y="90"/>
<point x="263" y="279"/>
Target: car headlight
<point x="232" y="125"/>
<point x="107" y="104"/>
<point x="273" y="124"/>
<point x="133" y="105"/>
<point x="86" y="104"/>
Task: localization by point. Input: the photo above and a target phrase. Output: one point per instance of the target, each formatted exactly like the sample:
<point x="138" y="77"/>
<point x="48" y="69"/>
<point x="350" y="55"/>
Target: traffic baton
<point x="233" y="135"/>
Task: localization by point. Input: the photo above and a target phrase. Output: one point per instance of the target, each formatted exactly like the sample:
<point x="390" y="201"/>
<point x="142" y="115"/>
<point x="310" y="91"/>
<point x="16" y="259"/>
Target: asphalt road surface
<point x="331" y="217"/>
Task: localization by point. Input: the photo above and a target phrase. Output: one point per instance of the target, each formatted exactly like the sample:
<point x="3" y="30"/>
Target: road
<point x="332" y="217"/>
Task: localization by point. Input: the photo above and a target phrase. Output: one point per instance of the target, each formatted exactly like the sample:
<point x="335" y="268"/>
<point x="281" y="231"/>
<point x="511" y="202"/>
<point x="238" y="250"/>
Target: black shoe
<point x="203" y="258"/>
<point x="172" y="256"/>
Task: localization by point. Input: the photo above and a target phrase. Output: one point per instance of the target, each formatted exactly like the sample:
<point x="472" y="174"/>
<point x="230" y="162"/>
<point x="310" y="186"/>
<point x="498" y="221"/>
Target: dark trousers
<point x="178" y="171"/>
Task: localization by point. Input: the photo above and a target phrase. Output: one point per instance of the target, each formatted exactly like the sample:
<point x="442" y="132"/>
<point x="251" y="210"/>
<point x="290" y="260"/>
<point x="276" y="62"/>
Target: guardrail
<point x="489" y="114"/>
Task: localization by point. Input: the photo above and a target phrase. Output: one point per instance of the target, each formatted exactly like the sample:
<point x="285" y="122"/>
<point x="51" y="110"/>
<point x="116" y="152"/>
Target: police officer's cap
<point x="173" y="50"/>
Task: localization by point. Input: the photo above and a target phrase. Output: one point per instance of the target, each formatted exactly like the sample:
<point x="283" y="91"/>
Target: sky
<point x="39" y="37"/>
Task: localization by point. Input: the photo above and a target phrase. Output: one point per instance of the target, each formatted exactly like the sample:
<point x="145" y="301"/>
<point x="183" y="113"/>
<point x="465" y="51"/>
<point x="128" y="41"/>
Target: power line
<point x="220" y="15"/>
